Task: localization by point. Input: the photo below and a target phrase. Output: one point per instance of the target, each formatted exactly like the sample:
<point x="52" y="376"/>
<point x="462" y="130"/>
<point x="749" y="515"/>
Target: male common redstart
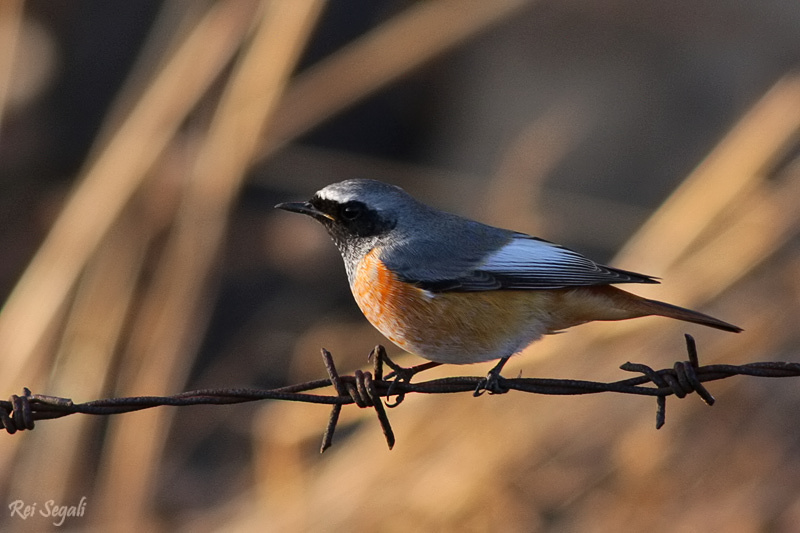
<point x="453" y="290"/>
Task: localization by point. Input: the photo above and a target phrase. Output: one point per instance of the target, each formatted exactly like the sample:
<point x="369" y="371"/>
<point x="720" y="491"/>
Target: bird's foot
<point x="399" y="374"/>
<point x="494" y="383"/>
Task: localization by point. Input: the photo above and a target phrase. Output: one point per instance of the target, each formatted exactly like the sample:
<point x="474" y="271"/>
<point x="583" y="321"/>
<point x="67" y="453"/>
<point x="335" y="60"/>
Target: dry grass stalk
<point x="515" y="188"/>
<point x="10" y="24"/>
<point x="727" y="175"/>
<point x="107" y="184"/>
<point x="393" y="49"/>
<point x="174" y="309"/>
<point x="84" y="364"/>
<point x="731" y="181"/>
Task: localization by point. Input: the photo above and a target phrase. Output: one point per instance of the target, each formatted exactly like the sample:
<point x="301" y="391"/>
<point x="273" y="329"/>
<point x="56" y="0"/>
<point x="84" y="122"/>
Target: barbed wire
<point x="367" y="390"/>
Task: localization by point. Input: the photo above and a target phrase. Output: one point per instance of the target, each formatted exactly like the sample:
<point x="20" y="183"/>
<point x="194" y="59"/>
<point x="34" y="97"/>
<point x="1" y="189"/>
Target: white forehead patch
<point x="341" y="192"/>
<point x="375" y="194"/>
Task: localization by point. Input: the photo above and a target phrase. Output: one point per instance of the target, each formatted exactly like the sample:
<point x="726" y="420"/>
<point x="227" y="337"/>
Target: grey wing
<point x="530" y="263"/>
<point x="519" y="262"/>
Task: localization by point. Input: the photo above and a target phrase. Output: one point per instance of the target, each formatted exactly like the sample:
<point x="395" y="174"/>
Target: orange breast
<point x="453" y="327"/>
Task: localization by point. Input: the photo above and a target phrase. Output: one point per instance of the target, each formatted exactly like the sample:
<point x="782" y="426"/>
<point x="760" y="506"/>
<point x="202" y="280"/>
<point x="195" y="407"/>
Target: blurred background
<point x="143" y="145"/>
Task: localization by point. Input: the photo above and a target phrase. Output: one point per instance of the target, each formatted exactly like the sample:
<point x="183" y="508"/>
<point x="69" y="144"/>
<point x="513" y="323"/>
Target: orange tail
<point x="673" y="311"/>
<point x="628" y="305"/>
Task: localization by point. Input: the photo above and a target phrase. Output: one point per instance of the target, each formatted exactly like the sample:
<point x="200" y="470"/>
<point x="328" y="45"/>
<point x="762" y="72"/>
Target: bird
<point x="456" y="291"/>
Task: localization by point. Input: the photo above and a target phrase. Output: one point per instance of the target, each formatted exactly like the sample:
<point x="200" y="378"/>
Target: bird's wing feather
<point x="530" y="263"/>
<point x="522" y="262"/>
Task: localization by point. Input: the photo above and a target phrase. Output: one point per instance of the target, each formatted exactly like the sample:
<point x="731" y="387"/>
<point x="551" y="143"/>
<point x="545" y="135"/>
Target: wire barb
<point x="681" y="382"/>
<point x="336" y="409"/>
<point x="362" y="391"/>
<point x="367" y="389"/>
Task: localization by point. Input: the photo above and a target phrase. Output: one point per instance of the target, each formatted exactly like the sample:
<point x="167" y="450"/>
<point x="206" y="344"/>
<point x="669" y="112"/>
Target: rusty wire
<point x="366" y="390"/>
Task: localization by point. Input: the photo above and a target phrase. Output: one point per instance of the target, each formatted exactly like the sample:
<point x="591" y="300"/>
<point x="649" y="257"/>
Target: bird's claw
<point x="398" y="375"/>
<point x="494" y="383"/>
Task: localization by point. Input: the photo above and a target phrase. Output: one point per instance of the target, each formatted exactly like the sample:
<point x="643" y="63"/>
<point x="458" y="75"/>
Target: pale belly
<point x="457" y="328"/>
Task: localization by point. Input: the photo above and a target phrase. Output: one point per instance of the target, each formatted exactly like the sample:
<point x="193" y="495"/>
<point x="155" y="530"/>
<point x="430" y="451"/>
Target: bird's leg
<point x="405" y="374"/>
<point x="492" y="382"/>
<point x="399" y="374"/>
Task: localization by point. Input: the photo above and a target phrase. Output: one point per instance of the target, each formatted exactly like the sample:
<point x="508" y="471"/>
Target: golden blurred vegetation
<point x="144" y="143"/>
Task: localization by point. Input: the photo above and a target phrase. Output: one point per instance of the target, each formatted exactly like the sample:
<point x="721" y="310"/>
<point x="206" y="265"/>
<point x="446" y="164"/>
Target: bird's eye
<point x="352" y="211"/>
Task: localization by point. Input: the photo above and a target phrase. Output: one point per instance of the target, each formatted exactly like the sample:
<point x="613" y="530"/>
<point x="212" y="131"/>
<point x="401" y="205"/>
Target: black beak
<point x="304" y="208"/>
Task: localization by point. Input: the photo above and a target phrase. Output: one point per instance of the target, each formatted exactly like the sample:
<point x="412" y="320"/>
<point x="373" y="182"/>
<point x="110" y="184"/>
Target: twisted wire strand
<point x="367" y="389"/>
